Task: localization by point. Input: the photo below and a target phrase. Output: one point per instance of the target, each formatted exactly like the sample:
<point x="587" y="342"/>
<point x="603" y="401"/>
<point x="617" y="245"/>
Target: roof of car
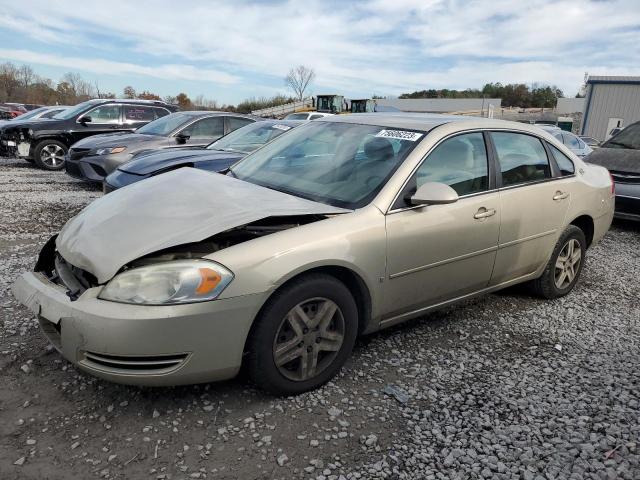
<point x="211" y="113"/>
<point x="413" y="121"/>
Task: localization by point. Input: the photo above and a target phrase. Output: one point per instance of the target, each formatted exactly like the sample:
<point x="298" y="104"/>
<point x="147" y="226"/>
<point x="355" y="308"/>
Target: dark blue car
<point x="215" y="157"/>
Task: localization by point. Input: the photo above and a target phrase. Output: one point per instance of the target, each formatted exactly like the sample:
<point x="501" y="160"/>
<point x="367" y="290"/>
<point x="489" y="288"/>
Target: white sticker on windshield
<point x="400" y="135"/>
<point x="281" y="127"/>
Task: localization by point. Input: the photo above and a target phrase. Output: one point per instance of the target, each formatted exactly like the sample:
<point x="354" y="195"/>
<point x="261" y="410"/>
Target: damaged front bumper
<point x="140" y="344"/>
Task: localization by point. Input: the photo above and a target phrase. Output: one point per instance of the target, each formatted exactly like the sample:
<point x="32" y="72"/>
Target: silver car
<point x="573" y="142"/>
<point x="338" y="228"/>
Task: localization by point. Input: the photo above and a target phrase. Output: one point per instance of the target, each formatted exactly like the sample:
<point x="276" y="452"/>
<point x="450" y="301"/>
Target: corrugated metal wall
<point x="606" y="101"/>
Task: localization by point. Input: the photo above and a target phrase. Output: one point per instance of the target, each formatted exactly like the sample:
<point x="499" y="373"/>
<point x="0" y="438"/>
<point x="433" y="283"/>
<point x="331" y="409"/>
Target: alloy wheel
<point x="308" y="339"/>
<point x="52" y="155"/>
<point x="568" y="263"/>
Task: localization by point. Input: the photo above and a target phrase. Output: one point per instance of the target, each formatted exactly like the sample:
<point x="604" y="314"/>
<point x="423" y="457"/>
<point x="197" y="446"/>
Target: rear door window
<point x="160" y="112"/>
<point x="138" y="113"/>
<point x="522" y="158"/>
<point x="209" y="128"/>
<point x="234" y="123"/>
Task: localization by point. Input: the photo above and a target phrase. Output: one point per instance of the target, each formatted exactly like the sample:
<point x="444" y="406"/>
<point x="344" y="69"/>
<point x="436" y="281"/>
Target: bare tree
<point x="298" y="79"/>
<point x="129" y="92"/>
<point x="82" y="89"/>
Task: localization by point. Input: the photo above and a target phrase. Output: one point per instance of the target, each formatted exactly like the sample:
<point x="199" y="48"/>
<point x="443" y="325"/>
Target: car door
<point x="440" y="252"/>
<point x="534" y="200"/>
<point x="203" y="131"/>
<point x="104" y="119"/>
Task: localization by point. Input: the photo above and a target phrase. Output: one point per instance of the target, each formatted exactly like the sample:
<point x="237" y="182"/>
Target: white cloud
<point x="107" y="67"/>
<point x="382" y="46"/>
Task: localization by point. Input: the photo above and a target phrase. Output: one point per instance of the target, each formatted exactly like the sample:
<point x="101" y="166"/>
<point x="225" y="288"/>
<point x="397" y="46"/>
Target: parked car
<point x="573" y="142"/>
<point x="215" y="157"/>
<point x="343" y="226"/>
<point x="35" y="114"/>
<point x="46" y="142"/>
<point x="94" y="158"/>
<point x="592" y="142"/>
<point x="12" y="110"/>
<point x="307" y="116"/>
<point x="621" y="155"/>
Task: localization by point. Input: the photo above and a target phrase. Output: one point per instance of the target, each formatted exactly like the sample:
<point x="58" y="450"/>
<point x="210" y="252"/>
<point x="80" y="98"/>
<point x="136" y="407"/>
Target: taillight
<point x="613" y="184"/>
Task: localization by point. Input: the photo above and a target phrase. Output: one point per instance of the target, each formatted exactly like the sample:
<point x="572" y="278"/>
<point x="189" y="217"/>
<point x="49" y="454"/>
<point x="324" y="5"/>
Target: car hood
<point x="178" y="207"/>
<point x="616" y="159"/>
<point x="123" y="139"/>
<point x="165" y="159"/>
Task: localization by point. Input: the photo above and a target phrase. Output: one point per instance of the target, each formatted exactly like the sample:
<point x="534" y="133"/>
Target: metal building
<point x="611" y="102"/>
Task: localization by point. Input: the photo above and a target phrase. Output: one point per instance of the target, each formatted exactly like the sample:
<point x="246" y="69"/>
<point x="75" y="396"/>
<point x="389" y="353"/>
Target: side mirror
<point x="433" y="193"/>
<point x="182" y="138"/>
<point x="85" y="119"/>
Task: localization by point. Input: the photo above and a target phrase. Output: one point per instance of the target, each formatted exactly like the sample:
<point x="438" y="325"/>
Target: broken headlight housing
<point x="168" y="283"/>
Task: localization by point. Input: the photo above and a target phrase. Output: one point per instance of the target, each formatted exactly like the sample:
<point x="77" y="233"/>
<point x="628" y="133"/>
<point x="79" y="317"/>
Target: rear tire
<point x="565" y="265"/>
<point x="49" y="154"/>
<point x="303" y="336"/>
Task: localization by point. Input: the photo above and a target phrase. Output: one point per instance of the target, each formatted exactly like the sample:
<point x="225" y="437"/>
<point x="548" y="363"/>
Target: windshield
<point x="627" y="138"/>
<point x="31" y="114"/>
<point x="73" y="111"/>
<point x="249" y="138"/>
<point x="341" y="164"/>
<point x="165" y="125"/>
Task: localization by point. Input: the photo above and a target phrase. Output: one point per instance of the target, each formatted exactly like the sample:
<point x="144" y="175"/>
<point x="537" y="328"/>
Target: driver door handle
<point x="560" y="195"/>
<point x="484" y="213"/>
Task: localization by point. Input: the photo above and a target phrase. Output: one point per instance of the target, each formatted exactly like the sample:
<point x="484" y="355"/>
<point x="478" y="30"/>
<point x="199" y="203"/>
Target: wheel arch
<point x="349" y="277"/>
<point x="587" y="225"/>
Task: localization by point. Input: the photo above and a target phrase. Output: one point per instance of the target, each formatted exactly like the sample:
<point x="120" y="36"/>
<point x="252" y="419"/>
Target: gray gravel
<point x="507" y="386"/>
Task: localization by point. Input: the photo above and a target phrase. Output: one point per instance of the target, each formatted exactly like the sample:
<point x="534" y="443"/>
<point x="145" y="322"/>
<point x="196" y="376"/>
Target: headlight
<point x="169" y="283"/>
<point x="104" y="151"/>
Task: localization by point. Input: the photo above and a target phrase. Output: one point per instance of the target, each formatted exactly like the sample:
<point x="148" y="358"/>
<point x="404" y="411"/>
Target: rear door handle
<point x="484" y="213"/>
<point x="560" y="195"/>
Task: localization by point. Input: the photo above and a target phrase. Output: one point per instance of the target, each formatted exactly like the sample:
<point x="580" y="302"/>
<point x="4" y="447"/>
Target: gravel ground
<point x="507" y="386"/>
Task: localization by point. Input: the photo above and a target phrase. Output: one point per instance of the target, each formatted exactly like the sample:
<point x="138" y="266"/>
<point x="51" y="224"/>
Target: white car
<point x="572" y="142"/>
<point x="306" y="115"/>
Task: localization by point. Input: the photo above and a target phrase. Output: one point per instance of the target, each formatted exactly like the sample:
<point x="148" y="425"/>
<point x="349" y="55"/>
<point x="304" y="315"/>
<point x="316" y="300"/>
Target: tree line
<point x="21" y="84"/>
<point x="512" y="94"/>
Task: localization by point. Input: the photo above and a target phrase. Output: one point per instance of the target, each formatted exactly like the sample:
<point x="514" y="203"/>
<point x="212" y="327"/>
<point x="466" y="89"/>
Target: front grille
<point x="78" y="153"/>
<point x="98" y="169"/>
<point x="152" y="364"/>
<point x="625" y="177"/>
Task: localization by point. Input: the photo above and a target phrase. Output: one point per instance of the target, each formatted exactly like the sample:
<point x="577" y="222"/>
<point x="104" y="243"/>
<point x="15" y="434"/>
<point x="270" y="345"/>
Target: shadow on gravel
<point x="626" y="225"/>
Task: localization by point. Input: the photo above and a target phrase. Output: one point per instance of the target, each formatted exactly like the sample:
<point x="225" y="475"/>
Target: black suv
<point x="46" y="142"/>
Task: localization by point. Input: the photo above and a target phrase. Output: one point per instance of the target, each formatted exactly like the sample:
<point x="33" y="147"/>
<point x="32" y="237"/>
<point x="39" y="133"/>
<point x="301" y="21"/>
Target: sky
<point x="229" y="51"/>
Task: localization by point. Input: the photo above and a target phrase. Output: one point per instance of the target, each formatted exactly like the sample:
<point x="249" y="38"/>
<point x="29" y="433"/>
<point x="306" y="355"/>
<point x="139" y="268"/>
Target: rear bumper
<point x="142" y="345"/>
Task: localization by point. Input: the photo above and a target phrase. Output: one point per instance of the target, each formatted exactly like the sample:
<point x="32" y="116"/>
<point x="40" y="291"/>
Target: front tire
<point x="303" y="336"/>
<point x="565" y="265"/>
<point x="49" y="154"/>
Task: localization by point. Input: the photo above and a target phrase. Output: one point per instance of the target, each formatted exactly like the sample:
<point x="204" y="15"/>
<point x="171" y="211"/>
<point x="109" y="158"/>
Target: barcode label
<point x="399" y="135"/>
<point x="281" y="127"/>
